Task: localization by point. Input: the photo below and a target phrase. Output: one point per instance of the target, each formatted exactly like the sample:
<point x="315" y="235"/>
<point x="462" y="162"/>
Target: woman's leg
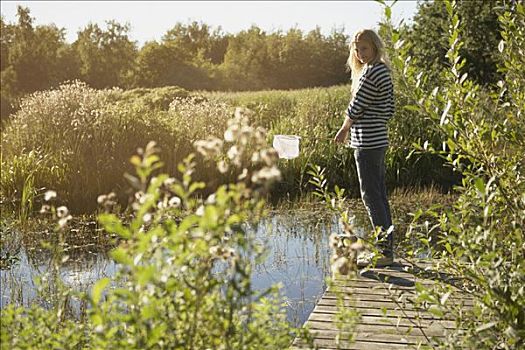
<point x="371" y="172"/>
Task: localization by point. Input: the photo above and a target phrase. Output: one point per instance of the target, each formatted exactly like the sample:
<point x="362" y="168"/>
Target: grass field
<point x="78" y="141"/>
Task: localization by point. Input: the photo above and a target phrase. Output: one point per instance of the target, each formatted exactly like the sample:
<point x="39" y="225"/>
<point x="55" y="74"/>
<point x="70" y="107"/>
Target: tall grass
<point x="316" y="114"/>
<point x="86" y="136"/>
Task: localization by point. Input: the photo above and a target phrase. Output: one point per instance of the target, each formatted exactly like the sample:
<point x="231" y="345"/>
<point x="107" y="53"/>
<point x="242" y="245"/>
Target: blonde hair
<point x="353" y="63"/>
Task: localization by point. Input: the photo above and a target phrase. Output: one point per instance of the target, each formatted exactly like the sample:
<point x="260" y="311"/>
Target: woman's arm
<point x="342" y="134"/>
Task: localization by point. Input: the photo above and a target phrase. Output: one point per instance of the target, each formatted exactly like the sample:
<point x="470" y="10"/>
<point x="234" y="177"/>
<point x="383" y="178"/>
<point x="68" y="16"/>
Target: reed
<point x="76" y="140"/>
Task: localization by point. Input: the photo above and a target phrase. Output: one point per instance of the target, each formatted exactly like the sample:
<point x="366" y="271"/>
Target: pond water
<point x="298" y="258"/>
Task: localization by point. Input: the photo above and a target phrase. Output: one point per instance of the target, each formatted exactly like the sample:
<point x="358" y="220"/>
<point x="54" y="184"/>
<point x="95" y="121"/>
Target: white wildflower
<point x="169" y="181"/>
<point x="147" y="217"/>
<point x="222" y="166"/>
<point x="266" y="174"/>
<point x="174" y="201"/>
<point x="243" y="175"/>
<point x="233" y="152"/>
<point x="62" y="211"/>
<point x="229" y="134"/>
<point x="102" y="198"/>
<point x="200" y="211"/>
<point x="49" y="195"/>
<point x="63" y="221"/>
<point x="211" y="199"/>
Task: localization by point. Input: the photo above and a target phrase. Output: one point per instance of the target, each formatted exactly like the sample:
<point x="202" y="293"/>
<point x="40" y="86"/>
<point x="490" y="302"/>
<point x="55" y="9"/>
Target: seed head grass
<point x="76" y="140"/>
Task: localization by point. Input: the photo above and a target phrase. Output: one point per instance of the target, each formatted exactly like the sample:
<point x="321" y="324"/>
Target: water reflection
<point x="298" y="258"/>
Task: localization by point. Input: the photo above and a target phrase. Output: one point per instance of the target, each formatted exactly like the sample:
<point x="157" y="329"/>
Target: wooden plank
<point x="379" y="330"/>
<point x="408" y="314"/>
<point x="388" y="321"/>
<point x="387" y="342"/>
<point x="407" y="281"/>
<point x="403" y="298"/>
<point x="358" y="345"/>
<point x="387" y="315"/>
<point x="324" y="330"/>
<point x="380" y="289"/>
<point x="380" y="304"/>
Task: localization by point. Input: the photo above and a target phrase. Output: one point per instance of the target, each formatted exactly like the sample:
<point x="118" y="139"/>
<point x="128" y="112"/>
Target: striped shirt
<point x="371" y="108"/>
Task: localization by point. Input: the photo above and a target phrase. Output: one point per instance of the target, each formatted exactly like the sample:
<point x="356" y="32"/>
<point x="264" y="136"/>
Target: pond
<point x="298" y="258"/>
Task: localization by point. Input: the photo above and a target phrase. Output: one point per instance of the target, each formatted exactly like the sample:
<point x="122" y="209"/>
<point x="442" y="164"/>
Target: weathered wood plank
<point x="388" y="317"/>
<point x="393" y="292"/>
<point x="380" y="304"/>
<point x="402" y="298"/>
<point x="392" y="312"/>
<point x="386" y="341"/>
<point x="408" y="314"/>
<point x="379" y="330"/>
<point x="389" y="321"/>
<point x="357" y="345"/>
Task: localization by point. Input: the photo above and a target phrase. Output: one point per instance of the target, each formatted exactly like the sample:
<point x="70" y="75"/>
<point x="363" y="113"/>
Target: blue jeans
<point x="371" y="172"/>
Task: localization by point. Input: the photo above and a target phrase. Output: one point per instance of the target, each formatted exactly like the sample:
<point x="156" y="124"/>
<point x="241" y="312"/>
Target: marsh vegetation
<point x="170" y="235"/>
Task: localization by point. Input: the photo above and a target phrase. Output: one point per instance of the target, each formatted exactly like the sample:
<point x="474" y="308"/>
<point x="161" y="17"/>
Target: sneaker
<point x="384" y="260"/>
<point x="366" y="258"/>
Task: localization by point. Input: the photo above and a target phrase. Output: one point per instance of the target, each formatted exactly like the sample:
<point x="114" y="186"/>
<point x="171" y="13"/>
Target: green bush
<point x="87" y="136"/>
<point x="185" y="264"/>
<point x="480" y="240"/>
<point x="152" y="99"/>
<point x="38" y="328"/>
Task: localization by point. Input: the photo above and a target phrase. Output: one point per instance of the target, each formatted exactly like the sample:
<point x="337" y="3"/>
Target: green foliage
<point x="88" y="134"/>
<point x="257" y="60"/>
<point x="480" y="240"/>
<point x="33" y="58"/>
<point x="428" y="43"/>
<point x="33" y="53"/>
<point x="198" y="40"/>
<point x="38" y="328"/>
<point x="20" y="177"/>
<point x="185" y="276"/>
<point x="161" y="65"/>
<point x="193" y="56"/>
<point x="185" y="264"/>
<point x="105" y="55"/>
<point x="153" y="99"/>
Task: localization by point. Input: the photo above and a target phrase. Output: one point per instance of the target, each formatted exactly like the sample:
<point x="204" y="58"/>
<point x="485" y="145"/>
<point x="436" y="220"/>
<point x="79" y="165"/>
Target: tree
<point x="6" y="40"/>
<point x="428" y="38"/>
<point x="33" y="53"/>
<point x="32" y="59"/>
<point x="164" y="64"/>
<point x="106" y="56"/>
<point x="290" y="59"/>
<point x="198" y="41"/>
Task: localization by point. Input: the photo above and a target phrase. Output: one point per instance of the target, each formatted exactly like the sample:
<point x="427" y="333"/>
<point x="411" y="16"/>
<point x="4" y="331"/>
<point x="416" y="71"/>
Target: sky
<point x="150" y="20"/>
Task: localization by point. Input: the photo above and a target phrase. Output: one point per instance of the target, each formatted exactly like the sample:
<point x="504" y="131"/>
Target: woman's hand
<point x="342" y="134"/>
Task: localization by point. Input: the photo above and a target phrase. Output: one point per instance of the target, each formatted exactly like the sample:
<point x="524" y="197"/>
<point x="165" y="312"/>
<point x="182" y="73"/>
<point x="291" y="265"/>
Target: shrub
<point x="86" y="137"/>
<point x="185" y="263"/>
<point x="480" y="240"/>
<point x="152" y="99"/>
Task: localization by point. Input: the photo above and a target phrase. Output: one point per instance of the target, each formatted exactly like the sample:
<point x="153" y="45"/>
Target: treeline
<point x="196" y="56"/>
<point x="192" y="56"/>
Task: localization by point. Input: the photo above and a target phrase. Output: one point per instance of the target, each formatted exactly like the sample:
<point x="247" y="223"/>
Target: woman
<point x="370" y="108"/>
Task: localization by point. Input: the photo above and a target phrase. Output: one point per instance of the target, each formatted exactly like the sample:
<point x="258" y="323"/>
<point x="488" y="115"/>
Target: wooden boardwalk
<point x="387" y="317"/>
